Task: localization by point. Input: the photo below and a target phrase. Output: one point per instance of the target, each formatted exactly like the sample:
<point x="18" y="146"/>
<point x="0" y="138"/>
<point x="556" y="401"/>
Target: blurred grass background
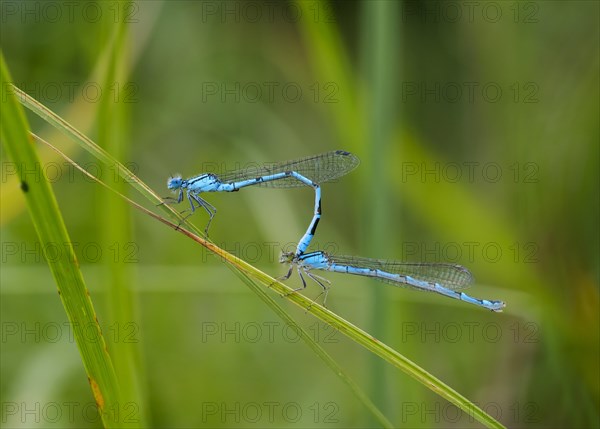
<point x="411" y="88"/>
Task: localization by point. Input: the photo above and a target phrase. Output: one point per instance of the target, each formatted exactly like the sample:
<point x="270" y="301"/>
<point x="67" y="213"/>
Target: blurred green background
<point x="477" y="127"/>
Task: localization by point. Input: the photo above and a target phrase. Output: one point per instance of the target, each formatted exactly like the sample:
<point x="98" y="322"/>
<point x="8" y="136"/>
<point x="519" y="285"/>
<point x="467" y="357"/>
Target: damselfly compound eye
<point x="174" y="182"/>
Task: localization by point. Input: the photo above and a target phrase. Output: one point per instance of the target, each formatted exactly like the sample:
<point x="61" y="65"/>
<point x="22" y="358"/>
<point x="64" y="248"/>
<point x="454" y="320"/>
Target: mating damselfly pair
<point x="444" y="279"/>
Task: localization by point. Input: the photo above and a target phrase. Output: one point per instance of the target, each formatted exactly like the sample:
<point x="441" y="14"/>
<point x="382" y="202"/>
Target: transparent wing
<point x="321" y="168"/>
<point x="452" y="276"/>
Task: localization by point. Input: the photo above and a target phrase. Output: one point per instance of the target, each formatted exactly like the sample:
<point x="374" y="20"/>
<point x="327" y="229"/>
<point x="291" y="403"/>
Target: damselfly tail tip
<point x="497" y="306"/>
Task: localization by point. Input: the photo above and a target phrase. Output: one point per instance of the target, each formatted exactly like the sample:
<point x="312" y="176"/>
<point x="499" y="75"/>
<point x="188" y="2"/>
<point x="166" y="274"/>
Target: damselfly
<point x="310" y="171"/>
<point x="444" y="279"/>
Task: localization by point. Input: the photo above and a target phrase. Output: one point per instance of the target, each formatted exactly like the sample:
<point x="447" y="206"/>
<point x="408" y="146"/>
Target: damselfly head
<point x="286" y="258"/>
<point x="174" y="182"/>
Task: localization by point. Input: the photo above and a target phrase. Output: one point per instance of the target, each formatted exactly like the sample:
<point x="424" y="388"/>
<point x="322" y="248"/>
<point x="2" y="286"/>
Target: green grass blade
<point x="379" y="52"/>
<point x="51" y="230"/>
<point x="114" y="225"/>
